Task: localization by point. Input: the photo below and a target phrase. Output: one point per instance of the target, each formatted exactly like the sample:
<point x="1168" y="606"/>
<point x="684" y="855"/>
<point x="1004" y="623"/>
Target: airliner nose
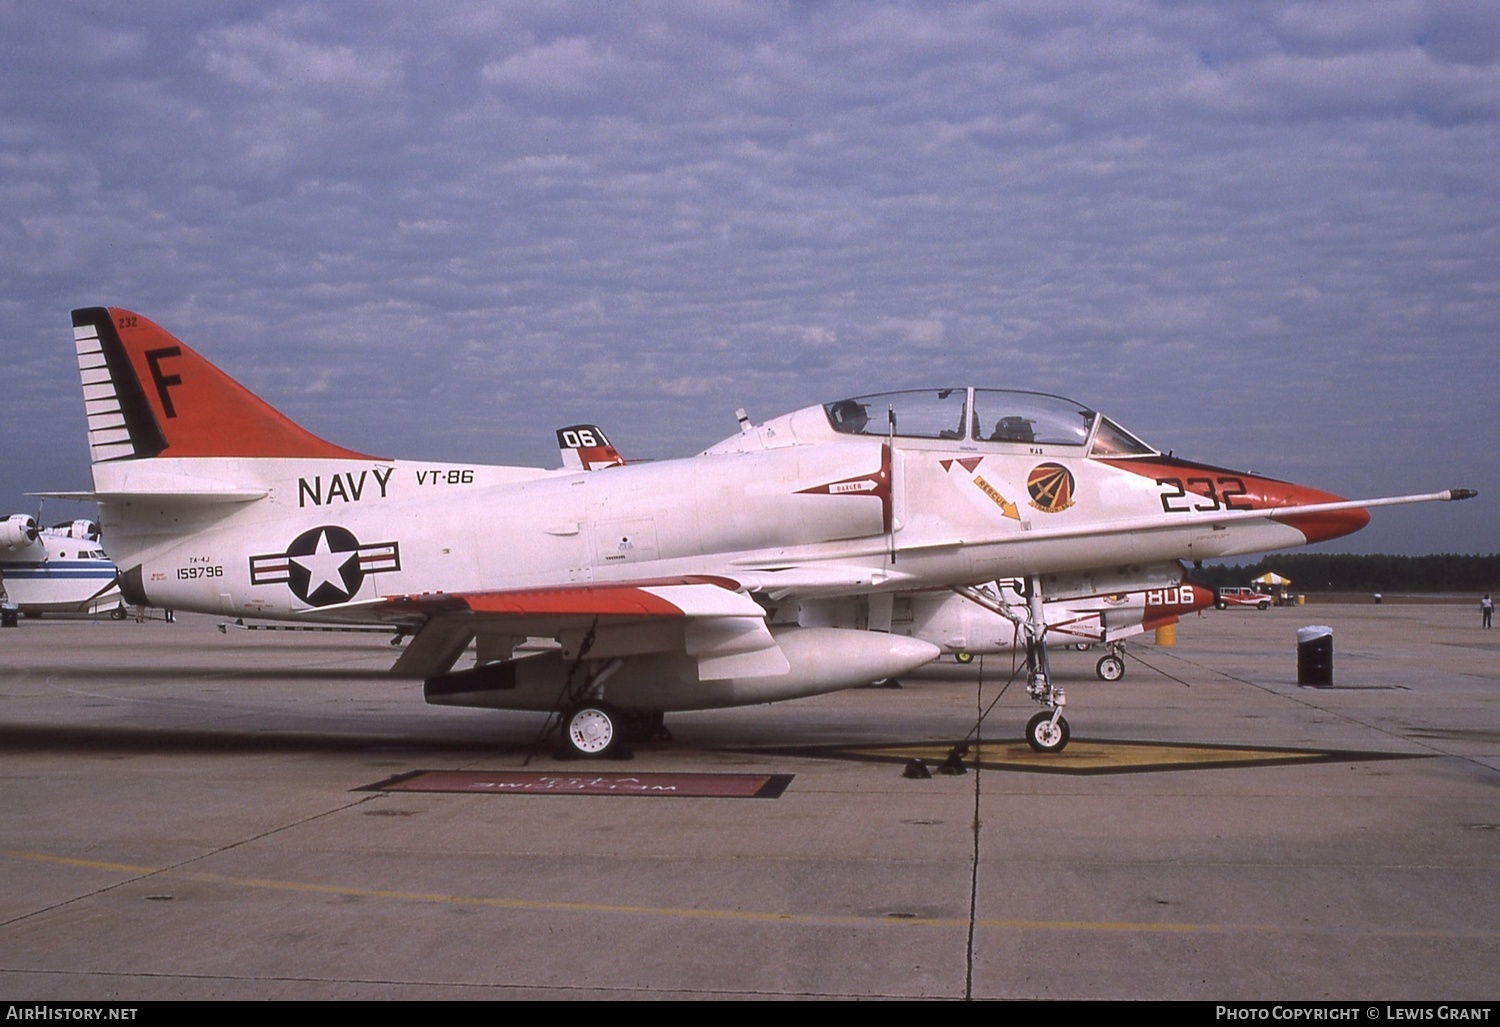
<point x="1320" y="527"/>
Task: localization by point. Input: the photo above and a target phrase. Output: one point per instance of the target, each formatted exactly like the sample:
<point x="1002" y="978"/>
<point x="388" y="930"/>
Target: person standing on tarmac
<point x="1486" y="610"/>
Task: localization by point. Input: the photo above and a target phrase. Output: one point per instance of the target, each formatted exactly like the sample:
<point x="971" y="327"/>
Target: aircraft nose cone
<point x="1203" y="598"/>
<point x="1319" y="527"/>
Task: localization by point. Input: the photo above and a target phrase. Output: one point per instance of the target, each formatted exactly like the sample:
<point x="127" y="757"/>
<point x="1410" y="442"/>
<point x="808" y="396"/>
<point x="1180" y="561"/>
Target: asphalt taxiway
<point x="184" y="813"/>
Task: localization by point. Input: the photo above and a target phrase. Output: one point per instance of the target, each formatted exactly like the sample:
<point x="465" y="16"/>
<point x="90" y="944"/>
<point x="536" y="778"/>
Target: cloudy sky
<point x="1261" y="235"/>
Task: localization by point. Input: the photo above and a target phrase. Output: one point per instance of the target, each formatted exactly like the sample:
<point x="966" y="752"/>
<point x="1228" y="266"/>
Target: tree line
<point x="1342" y="572"/>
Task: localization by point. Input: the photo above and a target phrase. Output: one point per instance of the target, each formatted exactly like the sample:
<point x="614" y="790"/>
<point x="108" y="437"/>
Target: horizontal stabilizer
<point x="186" y="495"/>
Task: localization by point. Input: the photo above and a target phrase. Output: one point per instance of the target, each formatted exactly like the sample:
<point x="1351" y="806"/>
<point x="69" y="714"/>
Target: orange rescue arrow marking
<point x="1007" y="508"/>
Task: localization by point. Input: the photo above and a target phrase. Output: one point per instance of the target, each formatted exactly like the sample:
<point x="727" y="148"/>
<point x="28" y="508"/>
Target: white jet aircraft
<point x="1099" y="607"/>
<point x="61" y="569"/>
<point x="661" y="583"/>
<point x="992" y="619"/>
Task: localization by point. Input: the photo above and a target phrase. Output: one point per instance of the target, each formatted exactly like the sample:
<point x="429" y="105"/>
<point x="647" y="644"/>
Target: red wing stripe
<point x="690" y="596"/>
<point x="605" y="601"/>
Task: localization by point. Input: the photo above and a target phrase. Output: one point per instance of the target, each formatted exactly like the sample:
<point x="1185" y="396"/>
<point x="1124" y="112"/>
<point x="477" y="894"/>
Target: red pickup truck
<point x="1242" y="596"/>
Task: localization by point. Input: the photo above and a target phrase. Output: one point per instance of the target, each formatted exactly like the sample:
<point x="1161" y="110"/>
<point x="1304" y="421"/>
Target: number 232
<point x="1220" y="495"/>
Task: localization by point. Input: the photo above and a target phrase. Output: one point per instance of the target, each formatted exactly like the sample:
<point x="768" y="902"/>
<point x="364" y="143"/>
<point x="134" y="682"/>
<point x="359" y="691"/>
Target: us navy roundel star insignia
<point x="1051" y="487"/>
<point x="325" y="565"/>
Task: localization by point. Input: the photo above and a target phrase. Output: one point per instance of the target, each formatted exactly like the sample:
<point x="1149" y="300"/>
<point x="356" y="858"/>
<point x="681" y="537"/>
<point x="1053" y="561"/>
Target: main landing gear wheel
<point x="592" y="730"/>
<point x="1044" y="736"/>
<point x="1110" y="668"/>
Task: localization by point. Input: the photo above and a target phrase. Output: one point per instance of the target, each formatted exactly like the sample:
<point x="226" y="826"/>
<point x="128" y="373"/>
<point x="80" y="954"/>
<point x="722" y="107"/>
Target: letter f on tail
<point x="148" y="395"/>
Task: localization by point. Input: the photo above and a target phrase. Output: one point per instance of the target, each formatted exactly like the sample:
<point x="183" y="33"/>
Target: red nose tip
<point x="1203" y="598"/>
<point x="1319" y="527"/>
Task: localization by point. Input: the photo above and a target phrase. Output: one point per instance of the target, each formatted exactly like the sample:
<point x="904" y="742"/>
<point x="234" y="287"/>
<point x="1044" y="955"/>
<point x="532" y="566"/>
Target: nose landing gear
<point x="1048" y="730"/>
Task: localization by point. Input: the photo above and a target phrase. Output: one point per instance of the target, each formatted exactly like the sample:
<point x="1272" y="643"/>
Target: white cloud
<point x="649" y="214"/>
<point x="267" y="57"/>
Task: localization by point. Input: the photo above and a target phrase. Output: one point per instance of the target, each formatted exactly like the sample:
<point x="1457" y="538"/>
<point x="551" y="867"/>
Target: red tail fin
<point x="149" y="395"/>
<point x="584" y="448"/>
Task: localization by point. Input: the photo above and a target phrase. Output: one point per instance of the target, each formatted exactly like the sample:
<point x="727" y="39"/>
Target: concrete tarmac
<point x="181" y="816"/>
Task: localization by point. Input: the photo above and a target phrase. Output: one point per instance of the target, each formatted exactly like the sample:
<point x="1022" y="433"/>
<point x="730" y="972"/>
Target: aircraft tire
<point x="1041" y="735"/>
<point x="118" y="613"/>
<point x="1110" y="668"/>
<point x="593" y="731"/>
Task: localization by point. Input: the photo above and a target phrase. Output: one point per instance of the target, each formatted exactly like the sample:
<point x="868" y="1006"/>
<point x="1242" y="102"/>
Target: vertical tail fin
<point x="148" y="395"/>
<point x="583" y="447"/>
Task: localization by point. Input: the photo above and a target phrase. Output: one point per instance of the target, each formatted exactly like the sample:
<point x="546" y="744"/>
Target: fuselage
<point x="813" y="502"/>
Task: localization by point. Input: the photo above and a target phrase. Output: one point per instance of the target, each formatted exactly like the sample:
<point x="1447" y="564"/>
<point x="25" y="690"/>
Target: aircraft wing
<point x="705" y="617"/>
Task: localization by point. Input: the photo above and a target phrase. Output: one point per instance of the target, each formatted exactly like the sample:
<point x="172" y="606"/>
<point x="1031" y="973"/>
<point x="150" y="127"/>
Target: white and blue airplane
<point x="764" y="568"/>
<point x="61" y="569"/>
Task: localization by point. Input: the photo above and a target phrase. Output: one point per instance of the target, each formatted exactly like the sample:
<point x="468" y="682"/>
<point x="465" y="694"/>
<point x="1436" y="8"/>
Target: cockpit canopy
<point x="984" y="415"/>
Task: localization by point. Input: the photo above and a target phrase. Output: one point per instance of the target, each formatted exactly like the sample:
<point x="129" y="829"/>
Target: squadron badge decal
<point x="325" y="565"/>
<point x="1051" y="487"/>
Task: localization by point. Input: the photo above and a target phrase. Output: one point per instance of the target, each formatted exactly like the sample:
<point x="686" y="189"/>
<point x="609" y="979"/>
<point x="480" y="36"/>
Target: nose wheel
<point x="1047" y="731"/>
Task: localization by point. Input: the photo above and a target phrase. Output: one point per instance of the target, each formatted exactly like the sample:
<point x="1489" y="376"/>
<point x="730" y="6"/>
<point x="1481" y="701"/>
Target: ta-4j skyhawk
<point x="1077" y="612"/>
<point x="764" y="568"/>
